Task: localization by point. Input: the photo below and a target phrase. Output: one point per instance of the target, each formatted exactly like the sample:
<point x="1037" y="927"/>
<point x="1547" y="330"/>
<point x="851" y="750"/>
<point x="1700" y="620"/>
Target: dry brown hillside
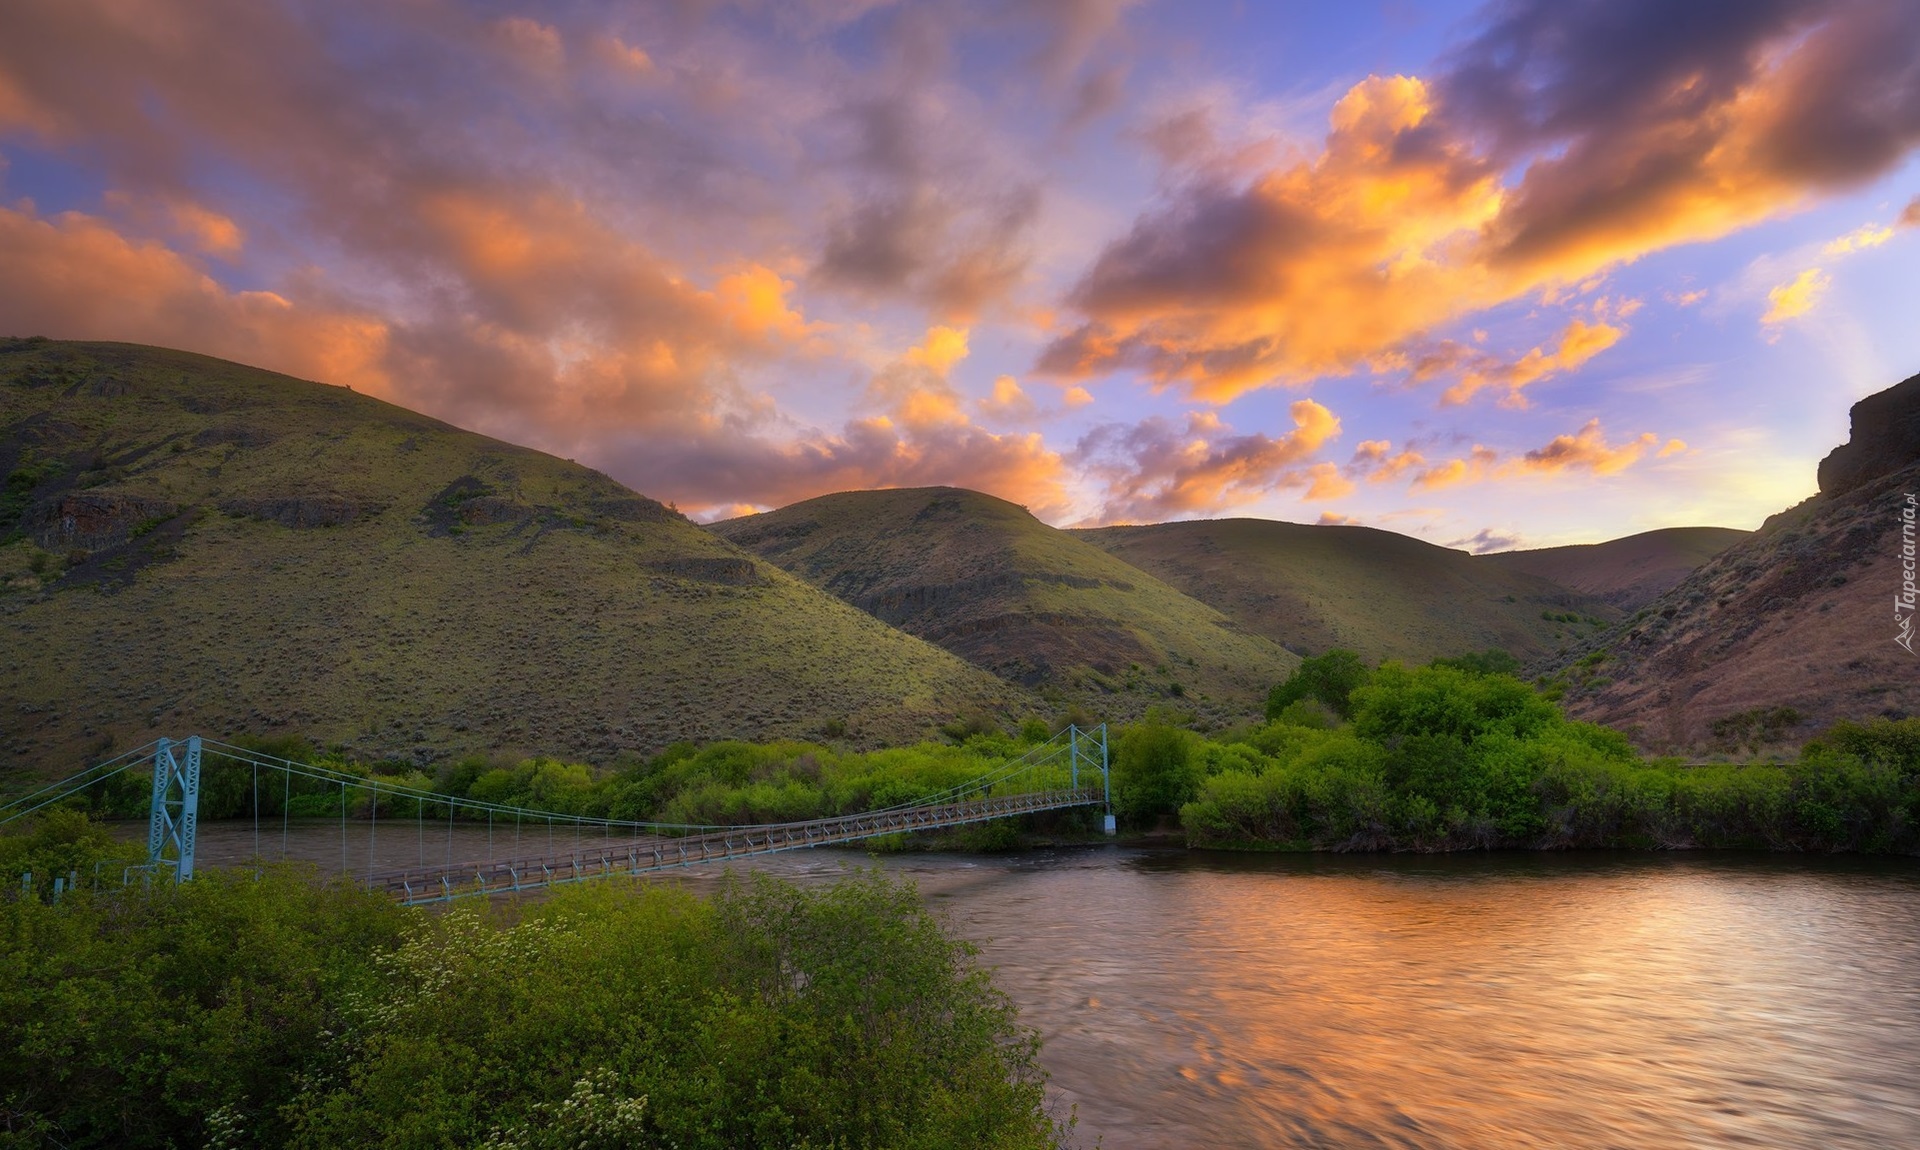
<point x="1629" y="572"/>
<point x="989" y="582"/>
<point x="1384" y="595"/>
<point x="1800" y="616"/>
<point x="191" y="545"/>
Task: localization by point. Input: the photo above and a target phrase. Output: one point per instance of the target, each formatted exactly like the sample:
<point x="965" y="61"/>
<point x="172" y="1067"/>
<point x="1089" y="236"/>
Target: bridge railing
<point x="416" y="885"/>
<point x="1028" y="783"/>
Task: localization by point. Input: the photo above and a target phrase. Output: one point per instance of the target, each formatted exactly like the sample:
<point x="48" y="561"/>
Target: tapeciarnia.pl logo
<point x="1903" y="600"/>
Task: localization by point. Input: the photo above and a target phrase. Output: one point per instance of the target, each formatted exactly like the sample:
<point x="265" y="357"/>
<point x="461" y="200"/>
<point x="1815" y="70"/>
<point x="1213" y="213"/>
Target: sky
<point x="1519" y="274"/>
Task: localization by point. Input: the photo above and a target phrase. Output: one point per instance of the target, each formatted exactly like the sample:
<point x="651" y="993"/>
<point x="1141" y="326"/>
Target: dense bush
<point x="275" y="1011"/>
<point x="1459" y="755"/>
<point x="1329" y="679"/>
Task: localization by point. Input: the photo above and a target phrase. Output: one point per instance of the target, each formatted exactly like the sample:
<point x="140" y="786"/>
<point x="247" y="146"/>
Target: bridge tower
<point x="176" y="807"/>
<point x="1082" y="745"/>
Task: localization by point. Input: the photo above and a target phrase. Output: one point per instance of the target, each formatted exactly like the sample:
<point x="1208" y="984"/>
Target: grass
<point x="986" y="580"/>
<point x="566" y="615"/>
<point x="1383" y="595"/>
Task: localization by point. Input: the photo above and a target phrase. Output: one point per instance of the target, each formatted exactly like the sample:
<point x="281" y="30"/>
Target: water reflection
<point x="1603" y="1000"/>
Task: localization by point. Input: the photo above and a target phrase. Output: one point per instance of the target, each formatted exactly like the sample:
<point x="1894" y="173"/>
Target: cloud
<point x="1376" y="459"/>
<point x="1566" y="138"/>
<point x="917" y="434"/>
<point x="625" y="57"/>
<point x="935" y="216"/>
<point x="1156" y="470"/>
<point x="1858" y="240"/>
<point x="1673" y="447"/>
<point x="1795" y="297"/>
<point x="532" y="44"/>
<point x="1477" y="465"/>
<point x="75" y="277"/>
<point x="1910" y="215"/>
<point x="1586" y="450"/>
<point x="943" y="347"/>
<point x="1579" y="342"/>
<point x="1335" y="519"/>
<point x="1008" y="402"/>
<point x="1486" y="541"/>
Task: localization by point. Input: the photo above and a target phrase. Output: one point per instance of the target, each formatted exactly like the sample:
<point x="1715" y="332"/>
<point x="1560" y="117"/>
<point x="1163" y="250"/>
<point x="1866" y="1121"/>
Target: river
<point x="1474" y="1001"/>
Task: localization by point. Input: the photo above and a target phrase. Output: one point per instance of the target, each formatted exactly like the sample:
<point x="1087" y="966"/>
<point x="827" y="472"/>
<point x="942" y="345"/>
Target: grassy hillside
<point x="1630" y="572"/>
<point x="193" y="545"/>
<point x="1785" y="631"/>
<point x="1384" y="595"/>
<point x="989" y="582"/>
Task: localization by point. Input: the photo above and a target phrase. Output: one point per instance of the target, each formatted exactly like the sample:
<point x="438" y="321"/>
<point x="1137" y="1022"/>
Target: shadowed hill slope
<point x="1384" y="595"/>
<point x="193" y="545"/>
<point x="1799" y="616"/>
<point x="989" y="582"/>
<point x="1629" y="572"/>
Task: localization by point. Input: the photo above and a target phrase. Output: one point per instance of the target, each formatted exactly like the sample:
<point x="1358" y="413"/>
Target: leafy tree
<point x="1330" y="679"/>
<point x="1154" y="771"/>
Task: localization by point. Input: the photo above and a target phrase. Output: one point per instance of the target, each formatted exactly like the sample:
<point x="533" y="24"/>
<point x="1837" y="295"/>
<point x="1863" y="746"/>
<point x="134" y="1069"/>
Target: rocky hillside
<point x="1787" y="630"/>
<point x="1039" y="606"/>
<point x="188" y="545"/>
<point x="1384" y="595"/>
<point x="1629" y="572"/>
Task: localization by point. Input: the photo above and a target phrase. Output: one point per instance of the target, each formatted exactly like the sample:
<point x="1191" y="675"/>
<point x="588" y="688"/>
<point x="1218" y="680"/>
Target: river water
<point x="1481" y="1001"/>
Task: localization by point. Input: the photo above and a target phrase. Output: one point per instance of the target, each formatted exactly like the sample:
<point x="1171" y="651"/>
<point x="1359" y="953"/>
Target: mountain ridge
<point x="197" y="545"/>
<point x="1789" y="629"/>
<point x="1382" y="594"/>
<point x="984" y="578"/>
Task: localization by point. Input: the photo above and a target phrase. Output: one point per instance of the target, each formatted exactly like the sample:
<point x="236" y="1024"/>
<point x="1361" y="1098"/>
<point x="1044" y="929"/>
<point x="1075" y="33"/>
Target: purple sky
<point x="1539" y="272"/>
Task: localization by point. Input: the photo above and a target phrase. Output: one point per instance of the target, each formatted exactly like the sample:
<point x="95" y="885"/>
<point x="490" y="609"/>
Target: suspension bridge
<point x="1070" y="770"/>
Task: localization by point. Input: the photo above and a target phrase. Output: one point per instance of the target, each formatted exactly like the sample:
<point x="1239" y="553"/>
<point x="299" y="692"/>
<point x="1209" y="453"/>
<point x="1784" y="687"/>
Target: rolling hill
<point x="1629" y="572"/>
<point x="1036" y="605"/>
<point x="1384" y="595"/>
<point x="1788" y="629"/>
<point x="195" y="546"/>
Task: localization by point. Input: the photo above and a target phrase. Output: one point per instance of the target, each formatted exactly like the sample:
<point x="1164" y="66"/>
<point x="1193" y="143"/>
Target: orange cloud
<point x="209" y="231"/>
<point x="532" y="43"/>
<point x="1308" y="271"/>
<point x="1324" y="481"/>
<point x="756" y="299"/>
<point x="1476" y="466"/>
<point x="1910" y="215"/>
<point x="1673" y="447"/>
<point x="1579" y="342"/>
<point x="75" y="277"/>
<point x="1858" y="240"/>
<point x="1152" y="471"/>
<point x="1795" y="298"/>
<point x="943" y="347"/>
<point x="1335" y="519"/>
<point x="1586" y="450"/>
<point x="1008" y="401"/>
<point x="622" y="55"/>
<point x="1405" y="220"/>
<point x="1376" y="459"/>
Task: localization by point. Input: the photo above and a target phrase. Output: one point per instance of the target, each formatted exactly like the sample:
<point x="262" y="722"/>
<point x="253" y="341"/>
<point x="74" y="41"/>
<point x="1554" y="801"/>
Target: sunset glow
<point x="1546" y="272"/>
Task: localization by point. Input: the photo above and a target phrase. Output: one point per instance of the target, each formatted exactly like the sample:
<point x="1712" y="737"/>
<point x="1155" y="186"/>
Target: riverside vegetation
<point x="276" y="1010"/>
<point x="1454" y="755"/>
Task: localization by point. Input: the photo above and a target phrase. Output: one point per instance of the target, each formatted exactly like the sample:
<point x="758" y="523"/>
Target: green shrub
<point x="1330" y="678"/>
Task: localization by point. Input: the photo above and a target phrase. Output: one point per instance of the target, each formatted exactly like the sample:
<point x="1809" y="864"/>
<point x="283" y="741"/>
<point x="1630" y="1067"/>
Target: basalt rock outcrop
<point x="1786" y="631"/>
